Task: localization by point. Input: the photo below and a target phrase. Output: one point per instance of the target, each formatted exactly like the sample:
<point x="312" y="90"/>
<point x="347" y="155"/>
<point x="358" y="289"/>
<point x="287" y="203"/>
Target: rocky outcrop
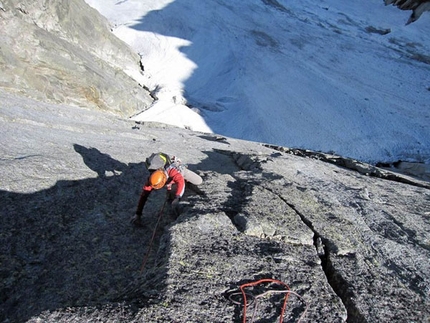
<point x="64" y="52"/>
<point x="353" y="247"/>
<point x="418" y="7"/>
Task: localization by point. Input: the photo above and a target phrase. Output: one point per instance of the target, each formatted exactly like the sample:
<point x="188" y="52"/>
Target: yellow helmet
<point x="158" y="179"/>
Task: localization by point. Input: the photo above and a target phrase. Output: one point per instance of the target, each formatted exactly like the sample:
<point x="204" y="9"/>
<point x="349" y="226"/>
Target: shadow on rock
<point x="72" y="245"/>
<point x="99" y="162"/>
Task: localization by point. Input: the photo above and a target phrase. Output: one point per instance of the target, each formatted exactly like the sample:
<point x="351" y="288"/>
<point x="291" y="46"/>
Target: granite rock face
<point x="64" y="52"/>
<point x="353" y="247"/>
<point x="346" y="241"/>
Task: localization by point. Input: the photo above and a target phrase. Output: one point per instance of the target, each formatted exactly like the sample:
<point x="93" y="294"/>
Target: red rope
<point x="266" y="280"/>
<point x="160" y="213"/>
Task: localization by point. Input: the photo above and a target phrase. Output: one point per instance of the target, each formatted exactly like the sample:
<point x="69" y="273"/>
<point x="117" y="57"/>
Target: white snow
<point x="305" y="74"/>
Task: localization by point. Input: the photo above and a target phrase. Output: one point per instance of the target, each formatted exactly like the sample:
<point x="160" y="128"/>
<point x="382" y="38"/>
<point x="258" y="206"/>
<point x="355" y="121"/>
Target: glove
<point x="136" y="220"/>
<point x="175" y="206"/>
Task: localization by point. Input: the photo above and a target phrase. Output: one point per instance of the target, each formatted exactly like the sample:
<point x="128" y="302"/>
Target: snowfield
<point x="333" y="76"/>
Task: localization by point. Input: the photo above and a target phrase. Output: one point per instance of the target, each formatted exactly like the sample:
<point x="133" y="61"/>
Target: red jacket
<point x="174" y="177"/>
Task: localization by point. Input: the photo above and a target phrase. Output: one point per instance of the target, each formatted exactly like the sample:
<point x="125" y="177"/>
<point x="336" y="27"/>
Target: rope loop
<point x="248" y="298"/>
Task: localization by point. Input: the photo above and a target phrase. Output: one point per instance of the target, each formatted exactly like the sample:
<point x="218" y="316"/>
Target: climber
<point x="165" y="171"/>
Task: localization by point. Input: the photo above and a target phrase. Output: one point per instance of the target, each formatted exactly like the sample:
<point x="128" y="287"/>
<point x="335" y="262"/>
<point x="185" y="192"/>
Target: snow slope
<point x="340" y="76"/>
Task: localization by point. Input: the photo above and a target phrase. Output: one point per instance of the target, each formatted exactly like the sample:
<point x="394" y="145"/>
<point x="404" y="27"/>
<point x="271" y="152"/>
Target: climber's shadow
<point x="74" y="240"/>
<point x="99" y="162"/>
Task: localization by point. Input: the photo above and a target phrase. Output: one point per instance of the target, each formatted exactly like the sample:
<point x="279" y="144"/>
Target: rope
<point x="160" y="213"/>
<point x="255" y="298"/>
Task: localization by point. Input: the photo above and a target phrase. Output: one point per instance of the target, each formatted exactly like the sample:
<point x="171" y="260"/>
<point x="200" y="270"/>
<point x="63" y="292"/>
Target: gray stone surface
<point x="355" y="247"/>
<point x="64" y="52"/>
